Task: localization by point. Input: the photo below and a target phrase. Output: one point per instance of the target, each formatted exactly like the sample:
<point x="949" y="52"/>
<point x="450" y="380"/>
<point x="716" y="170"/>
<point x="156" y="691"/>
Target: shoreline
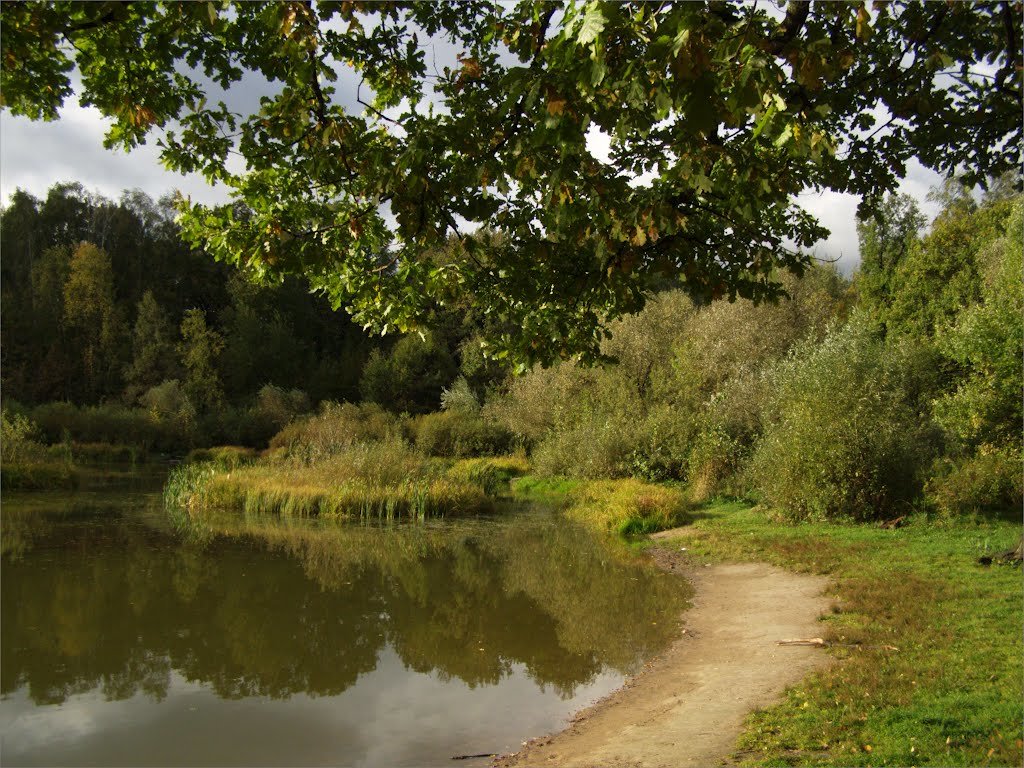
<point x="687" y="706"/>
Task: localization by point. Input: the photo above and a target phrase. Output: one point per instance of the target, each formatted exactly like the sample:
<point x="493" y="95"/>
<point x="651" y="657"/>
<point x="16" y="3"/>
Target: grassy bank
<point x="37" y="475"/>
<point x="927" y="641"/>
<point x="626" y="507"/>
<point x="367" y="480"/>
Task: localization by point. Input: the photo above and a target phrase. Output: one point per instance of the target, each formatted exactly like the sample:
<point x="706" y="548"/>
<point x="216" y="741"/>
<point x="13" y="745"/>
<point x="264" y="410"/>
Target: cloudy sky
<point x="34" y="156"/>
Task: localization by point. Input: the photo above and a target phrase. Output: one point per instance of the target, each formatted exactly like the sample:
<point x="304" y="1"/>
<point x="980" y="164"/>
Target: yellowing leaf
<point x="471" y="68"/>
<point x="863" y="26"/>
<point x="556" y="106"/>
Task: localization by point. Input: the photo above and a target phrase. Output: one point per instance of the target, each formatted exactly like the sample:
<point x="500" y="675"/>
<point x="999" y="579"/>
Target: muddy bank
<point x="687" y="707"/>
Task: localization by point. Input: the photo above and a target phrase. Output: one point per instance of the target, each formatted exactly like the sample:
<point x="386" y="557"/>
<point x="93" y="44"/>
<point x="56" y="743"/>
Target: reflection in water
<point x="103" y="599"/>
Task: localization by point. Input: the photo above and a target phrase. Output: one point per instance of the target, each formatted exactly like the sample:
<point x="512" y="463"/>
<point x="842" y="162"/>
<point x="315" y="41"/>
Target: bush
<point x="728" y="428"/>
<point x="174" y="413"/>
<point x="460" y="398"/>
<point x="534" y="402"/>
<point x="334" y="429"/>
<point x="661" y="443"/>
<point x="98" y="453"/>
<point x="991" y="480"/>
<point x="987" y="344"/>
<point x="715" y="458"/>
<point x="275" y="408"/>
<point x="37" y="476"/>
<point x="18" y="438"/>
<point x="590" y="445"/>
<point x="410" y="378"/>
<point x="847" y="430"/>
<point x="458" y="434"/>
<point x="25" y="461"/>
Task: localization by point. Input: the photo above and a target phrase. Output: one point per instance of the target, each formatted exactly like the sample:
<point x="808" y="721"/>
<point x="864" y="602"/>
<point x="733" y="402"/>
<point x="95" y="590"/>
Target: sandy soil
<point x="687" y="707"/>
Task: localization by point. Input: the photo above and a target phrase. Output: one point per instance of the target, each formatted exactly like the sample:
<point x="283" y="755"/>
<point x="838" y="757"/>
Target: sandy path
<point x="688" y="706"/>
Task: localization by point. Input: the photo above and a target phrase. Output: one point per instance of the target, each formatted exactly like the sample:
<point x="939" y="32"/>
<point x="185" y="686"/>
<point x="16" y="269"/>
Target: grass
<point x="627" y="507"/>
<point x="223" y="456"/>
<point x="550" y="489"/>
<point x="951" y="693"/>
<point x="493" y="475"/>
<point x="36" y="475"/>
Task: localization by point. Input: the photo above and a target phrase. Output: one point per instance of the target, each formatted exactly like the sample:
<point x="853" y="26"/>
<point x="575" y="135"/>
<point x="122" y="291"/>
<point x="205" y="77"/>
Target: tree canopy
<point x="368" y="156"/>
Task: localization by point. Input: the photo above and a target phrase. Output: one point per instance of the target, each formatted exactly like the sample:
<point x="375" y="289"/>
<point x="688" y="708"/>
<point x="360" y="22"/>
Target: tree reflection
<point x="271" y="607"/>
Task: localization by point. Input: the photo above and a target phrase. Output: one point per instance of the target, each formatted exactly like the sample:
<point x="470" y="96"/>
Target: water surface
<point x="129" y="640"/>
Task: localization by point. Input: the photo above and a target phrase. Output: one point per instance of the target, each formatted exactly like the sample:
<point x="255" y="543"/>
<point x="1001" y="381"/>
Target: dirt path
<point x="687" y="707"/>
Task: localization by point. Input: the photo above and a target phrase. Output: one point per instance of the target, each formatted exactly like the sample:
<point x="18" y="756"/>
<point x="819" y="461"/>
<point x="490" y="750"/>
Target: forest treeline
<point x="853" y="397"/>
<point x="114" y="330"/>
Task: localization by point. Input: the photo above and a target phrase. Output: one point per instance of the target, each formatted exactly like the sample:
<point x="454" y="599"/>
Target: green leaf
<point x="593" y="24"/>
<point x="598" y="70"/>
<point x="763" y="122"/>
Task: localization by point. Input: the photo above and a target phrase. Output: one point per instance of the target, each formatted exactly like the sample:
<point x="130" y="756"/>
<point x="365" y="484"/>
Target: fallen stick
<point x="816" y="641"/>
<point x="819" y="642"/>
<point x="470" y="757"/>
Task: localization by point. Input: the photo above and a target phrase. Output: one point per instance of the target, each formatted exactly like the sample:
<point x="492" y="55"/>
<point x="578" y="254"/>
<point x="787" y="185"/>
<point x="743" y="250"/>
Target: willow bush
<point x="847" y="431"/>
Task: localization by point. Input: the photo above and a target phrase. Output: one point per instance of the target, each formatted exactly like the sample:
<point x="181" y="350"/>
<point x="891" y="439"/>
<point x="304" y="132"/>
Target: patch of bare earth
<point x="687" y="707"/>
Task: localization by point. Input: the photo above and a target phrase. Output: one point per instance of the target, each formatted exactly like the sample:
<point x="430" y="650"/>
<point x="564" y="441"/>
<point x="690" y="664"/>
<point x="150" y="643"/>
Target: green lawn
<point x="927" y="642"/>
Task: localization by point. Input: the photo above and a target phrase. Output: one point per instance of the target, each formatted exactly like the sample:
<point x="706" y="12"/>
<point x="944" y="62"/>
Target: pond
<point x="128" y="639"/>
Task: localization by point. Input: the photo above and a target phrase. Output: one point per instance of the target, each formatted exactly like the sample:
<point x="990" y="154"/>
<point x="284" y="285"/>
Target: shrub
<point x="714" y="459"/>
<point x="457" y="434"/>
<point x="410" y="377"/>
<point x="589" y="444"/>
<point x="277" y="407"/>
<point x="596" y="433"/>
<point x="335" y="428"/>
<point x="18" y="438"/>
<point x="728" y="427"/>
<point x="37" y="475"/>
<point x="661" y="443"/>
<point x="460" y="398"/>
<point x="25" y="461"/>
<point x="991" y="480"/>
<point x="85" y="453"/>
<point x="847" y="430"/>
<point x="987" y="343"/>
<point x="144" y="428"/>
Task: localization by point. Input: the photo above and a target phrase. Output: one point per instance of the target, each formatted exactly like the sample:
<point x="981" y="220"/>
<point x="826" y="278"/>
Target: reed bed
<point x="368" y="481"/>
